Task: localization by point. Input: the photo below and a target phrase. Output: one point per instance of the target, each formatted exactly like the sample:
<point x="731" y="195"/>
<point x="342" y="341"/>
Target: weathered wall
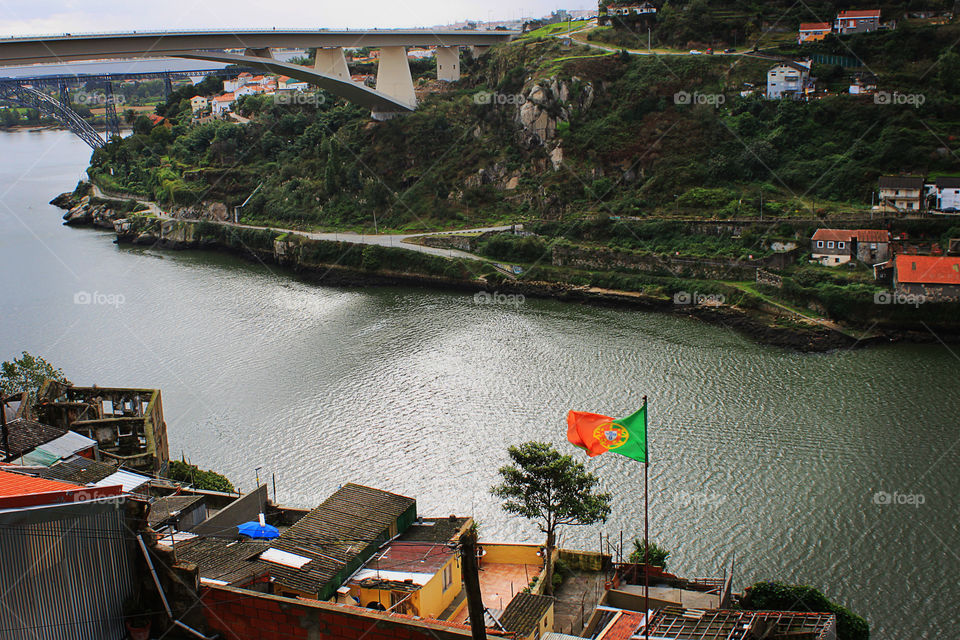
<point x="242" y="615"/>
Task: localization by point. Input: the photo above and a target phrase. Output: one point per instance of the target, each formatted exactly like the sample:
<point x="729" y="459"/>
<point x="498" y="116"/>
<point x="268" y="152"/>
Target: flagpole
<point x="646" y="528"/>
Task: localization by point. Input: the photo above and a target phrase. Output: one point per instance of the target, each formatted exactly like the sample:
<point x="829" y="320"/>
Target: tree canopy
<point x="27" y="373"/>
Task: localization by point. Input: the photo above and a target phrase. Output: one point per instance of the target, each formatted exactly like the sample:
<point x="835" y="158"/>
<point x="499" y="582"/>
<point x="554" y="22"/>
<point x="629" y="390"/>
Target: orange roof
<point x="815" y="26"/>
<point x="859" y="13"/>
<point x="872" y="235"/>
<point x="224" y="98"/>
<point x="928" y="269"/>
<point x="15" y="484"/>
<point x="841" y="235"/>
<point x="625" y="626"/>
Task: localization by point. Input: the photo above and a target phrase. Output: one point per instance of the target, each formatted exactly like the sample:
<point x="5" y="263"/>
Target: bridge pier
<point x="394" y="79"/>
<point x="263" y="52"/>
<point x="448" y="63"/>
<point x="331" y="61"/>
<point x="110" y="113"/>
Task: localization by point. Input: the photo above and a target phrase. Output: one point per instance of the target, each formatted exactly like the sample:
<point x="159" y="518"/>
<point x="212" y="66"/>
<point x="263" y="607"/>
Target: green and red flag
<point x="598" y="434"/>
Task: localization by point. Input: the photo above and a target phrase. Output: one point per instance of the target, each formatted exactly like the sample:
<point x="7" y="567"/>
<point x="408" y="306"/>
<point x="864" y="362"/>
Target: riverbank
<point x="345" y="262"/>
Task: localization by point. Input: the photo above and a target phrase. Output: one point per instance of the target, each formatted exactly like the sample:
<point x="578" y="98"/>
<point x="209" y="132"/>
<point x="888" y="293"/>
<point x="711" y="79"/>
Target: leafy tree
<point x="27" y="373"/>
<point x="205" y="480"/>
<point x="778" y="596"/>
<point x="551" y="489"/>
<point x="657" y="556"/>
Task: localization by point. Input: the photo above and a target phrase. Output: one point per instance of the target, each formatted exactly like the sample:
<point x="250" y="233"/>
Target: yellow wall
<point x="432" y="596"/>
<point x="429" y="601"/>
<point x="544" y="625"/>
<point x="501" y="553"/>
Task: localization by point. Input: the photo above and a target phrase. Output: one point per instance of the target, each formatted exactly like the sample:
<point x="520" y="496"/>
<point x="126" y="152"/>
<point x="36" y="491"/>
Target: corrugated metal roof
<point x="129" y="480"/>
<point x="901" y="182"/>
<point x="68" y="444"/>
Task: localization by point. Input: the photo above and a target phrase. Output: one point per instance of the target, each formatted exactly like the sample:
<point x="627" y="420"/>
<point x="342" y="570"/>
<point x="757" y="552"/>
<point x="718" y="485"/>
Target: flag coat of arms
<point x="598" y="434"/>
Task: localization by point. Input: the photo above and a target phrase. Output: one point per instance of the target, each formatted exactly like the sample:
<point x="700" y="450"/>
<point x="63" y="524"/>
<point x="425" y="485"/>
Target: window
<point x="830" y="244"/>
<point x="841" y="245"/>
<point x="447" y="576"/>
<point x="820" y="244"/>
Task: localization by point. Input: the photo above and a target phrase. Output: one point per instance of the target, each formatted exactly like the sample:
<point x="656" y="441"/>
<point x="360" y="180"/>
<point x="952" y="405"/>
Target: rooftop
<point x="79" y="470"/>
<point x="223" y="560"/>
<point x="901" y="182"/>
<point x="859" y="13"/>
<point x="814" y="26"/>
<point x="18" y="490"/>
<point x="335" y="533"/>
<point x="524" y="613"/>
<point x="26" y="435"/>
<point x="928" y="269"/>
<point x="722" y="624"/>
<point x="435" y="529"/>
<point x="162" y="509"/>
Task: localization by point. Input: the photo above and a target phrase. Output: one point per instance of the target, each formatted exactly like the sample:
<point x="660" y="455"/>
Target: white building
<point x="944" y="194"/>
<point x="789" y="78"/>
<point x="222" y="104"/>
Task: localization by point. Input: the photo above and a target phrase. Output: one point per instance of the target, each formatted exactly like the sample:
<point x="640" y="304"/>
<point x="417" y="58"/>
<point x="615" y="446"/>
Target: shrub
<point x="206" y="480"/>
<point x="778" y="596"/>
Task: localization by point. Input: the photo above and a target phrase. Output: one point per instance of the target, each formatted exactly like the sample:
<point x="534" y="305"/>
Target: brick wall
<point x="244" y="615"/>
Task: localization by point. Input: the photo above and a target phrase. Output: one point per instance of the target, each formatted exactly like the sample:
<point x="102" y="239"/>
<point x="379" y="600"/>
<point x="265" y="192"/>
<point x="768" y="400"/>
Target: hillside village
<point x="85" y="475"/>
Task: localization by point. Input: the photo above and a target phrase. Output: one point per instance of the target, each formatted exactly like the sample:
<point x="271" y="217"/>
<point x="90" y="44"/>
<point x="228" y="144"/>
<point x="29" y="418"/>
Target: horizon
<point x="62" y="17"/>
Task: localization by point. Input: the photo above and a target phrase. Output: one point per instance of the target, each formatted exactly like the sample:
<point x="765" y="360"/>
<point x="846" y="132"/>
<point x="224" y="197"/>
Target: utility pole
<point x="3" y="425"/>
<point x="471" y="582"/>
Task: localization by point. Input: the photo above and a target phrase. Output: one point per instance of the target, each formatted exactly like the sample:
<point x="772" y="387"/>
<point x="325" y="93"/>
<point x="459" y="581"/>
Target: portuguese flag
<point x="598" y="434"/>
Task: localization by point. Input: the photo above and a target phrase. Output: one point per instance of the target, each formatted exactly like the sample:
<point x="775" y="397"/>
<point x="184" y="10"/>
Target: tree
<point x="657" y="556"/>
<point x="27" y="374"/>
<point x="551" y="489"/>
<point x="777" y="596"/>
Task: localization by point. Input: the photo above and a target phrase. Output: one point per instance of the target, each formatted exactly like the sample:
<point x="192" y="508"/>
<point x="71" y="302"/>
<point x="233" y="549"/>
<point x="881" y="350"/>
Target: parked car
<point x="709" y="51"/>
<point x="950" y="210"/>
<point x="694" y="52"/>
<point x="729" y="50"/>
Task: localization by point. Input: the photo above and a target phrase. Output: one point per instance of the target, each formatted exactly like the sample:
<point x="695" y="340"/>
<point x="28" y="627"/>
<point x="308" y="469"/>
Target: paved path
<point x="403" y="241"/>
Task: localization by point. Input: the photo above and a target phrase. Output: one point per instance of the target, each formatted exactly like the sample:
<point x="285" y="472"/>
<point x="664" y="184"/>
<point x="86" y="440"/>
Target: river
<point x="762" y="456"/>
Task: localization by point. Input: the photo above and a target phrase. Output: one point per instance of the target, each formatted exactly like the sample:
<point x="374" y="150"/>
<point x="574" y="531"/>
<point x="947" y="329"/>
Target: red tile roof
<point x="847" y="235"/>
<point x="841" y="235"/>
<point x="928" y="270"/>
<point x="815" y="26"/>
<point x="18" y="490"/>
<point x="859" y="13"/>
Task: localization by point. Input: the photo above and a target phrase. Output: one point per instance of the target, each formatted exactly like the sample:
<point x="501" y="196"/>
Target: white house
<point x="789" y="78"/>
<point x="222" y="104"/>
<point x="944" y="194"/>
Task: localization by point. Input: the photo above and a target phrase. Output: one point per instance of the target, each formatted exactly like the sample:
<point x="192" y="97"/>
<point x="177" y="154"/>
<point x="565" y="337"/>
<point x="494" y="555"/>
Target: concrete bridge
<point x="394" y="86"/>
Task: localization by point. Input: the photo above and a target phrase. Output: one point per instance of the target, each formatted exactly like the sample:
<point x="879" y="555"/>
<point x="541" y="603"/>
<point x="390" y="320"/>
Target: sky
<point x="43" y="17"/>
